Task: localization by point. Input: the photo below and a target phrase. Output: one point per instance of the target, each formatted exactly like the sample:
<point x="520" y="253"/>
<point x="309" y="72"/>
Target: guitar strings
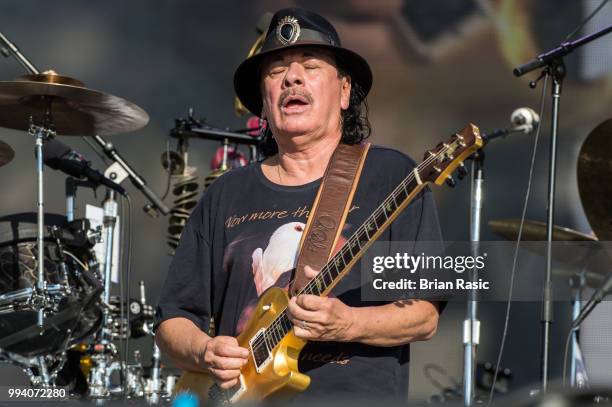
<point x="379" y="210"/>
<point x="355" y="236"/>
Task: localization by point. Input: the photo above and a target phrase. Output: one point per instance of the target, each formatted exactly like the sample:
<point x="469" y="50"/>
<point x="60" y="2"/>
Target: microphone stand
<point x="555" y="68"/>
<point x="111" y="152"/>
<point x="471" y="325"/>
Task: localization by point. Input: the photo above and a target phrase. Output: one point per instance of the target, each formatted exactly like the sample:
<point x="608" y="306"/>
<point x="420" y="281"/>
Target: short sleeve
<point x="419" y="222"/>
<point x="187" y="290"/>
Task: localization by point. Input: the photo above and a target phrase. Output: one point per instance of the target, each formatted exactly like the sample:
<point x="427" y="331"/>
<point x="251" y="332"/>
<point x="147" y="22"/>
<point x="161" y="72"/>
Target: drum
<point x="140" y="316"/>
<point x="73" y="311"/>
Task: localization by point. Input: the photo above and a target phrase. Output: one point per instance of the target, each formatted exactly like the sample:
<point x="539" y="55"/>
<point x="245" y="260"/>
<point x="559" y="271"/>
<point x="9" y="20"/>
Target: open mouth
<point x="295" y="103"/>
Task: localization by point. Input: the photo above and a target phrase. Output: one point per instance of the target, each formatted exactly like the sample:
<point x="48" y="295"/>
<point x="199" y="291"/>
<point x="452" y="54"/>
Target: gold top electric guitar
<point x="272" y="366"/>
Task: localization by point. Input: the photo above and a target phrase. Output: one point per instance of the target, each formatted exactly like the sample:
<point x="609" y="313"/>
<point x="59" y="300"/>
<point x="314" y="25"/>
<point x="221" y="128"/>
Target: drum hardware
<point x="184" y="180"/>
<point x="104" y="369"/>
<point x="593" y="275"/>
<point x="48" y="104"/>
<point x="6" y="153"/>
<point x="41" y="370"/>
<point x="61" y="105"/>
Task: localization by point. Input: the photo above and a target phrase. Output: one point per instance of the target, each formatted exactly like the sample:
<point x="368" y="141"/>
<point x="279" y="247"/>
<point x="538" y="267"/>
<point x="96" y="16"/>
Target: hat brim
<point x="247" y="77"/>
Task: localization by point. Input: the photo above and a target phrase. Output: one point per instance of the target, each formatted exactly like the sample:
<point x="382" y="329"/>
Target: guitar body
<point x="279" y="375"/>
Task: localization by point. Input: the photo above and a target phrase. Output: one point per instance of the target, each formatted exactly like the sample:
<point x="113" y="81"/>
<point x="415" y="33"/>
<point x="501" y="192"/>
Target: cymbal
<point x="6" y="153"/>
<point x="591" y="278"/>
<point x="536" y="231"/>
<point x="594" y="175"/>
<point x="588" y="257"/>
<point x="75" y="109"/>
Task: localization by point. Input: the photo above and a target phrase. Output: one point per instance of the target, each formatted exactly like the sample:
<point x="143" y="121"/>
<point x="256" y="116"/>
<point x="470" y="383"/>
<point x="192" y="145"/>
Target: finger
<point x="225" y="340"/>
<point x="224" y="375"/>
<point x="310" y="272"/>
<point x="297" y="312"/>
<point x="228" y="384"/>
<point x="224" y="363"/>
<point x="231" y="351"/>
<point x="303" y="333"/>
<point x="311" y="302"/>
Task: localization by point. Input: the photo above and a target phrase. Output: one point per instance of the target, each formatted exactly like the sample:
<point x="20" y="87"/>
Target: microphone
<point x="595" y="299"/>
<point x="59" y="156"/>
<point x="524" y="120"/>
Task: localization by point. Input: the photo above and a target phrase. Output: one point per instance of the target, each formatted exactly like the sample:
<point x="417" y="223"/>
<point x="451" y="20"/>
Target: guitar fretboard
<point x="351" y="251"/>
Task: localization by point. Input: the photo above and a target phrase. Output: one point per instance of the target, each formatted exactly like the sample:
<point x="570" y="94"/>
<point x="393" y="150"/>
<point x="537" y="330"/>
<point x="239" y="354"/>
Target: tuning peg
<point x="450" y="181"/>
<point x="462" y="171"/>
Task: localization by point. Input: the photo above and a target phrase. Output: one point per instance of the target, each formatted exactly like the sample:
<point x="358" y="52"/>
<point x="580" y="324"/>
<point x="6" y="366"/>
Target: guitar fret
<point x="362" y="236"/>
<point x="267" y="341"/>
<point x="327" y="278"/>
<point x="346" y="257"/>
<point x="339" y="264"/>
<point x="402" y="194"/>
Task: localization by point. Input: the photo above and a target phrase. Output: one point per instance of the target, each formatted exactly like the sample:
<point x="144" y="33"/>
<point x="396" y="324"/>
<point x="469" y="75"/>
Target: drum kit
<point x="58" y="320"/>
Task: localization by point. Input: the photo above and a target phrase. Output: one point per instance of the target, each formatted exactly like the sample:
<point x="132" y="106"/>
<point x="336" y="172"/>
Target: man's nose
<point x="294" y="75"/>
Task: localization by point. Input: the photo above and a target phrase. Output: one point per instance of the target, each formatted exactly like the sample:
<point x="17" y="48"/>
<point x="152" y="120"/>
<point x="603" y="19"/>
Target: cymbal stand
<point x="39" y="297"/>
<point x="100" y="385"/>
<point x="156" y="388"/>
<point x="578" y="377"/>
<point x="41" y="133"/>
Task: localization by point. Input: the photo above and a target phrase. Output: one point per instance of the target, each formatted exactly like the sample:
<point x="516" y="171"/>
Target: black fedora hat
<point x="290" y="28"/>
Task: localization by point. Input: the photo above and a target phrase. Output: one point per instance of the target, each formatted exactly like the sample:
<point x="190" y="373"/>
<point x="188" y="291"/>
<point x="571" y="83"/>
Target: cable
<point x="128" y="273"/>
<point x="586" y="20"/>
<point x="121" y="291"/>
<point x="168" y="170"/>
<point x="95" y="150"/>
<point x="518" y="243"/>
<point x="565" y="353"/>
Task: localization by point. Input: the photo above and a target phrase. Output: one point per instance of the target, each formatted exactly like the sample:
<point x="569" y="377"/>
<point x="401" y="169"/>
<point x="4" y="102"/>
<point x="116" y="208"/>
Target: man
<point x="243" y="236"/>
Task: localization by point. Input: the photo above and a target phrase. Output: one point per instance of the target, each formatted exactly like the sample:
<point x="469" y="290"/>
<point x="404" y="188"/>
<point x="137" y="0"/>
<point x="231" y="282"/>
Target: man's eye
<point x="310" y="66"/>
<point x="276" y="71"/>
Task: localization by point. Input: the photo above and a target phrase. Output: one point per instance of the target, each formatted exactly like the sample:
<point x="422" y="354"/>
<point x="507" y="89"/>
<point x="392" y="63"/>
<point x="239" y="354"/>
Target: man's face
<point x="303" y="93"/>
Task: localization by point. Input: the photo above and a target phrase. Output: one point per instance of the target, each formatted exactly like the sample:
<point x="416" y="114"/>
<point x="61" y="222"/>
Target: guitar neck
<point x="354" y="248"/>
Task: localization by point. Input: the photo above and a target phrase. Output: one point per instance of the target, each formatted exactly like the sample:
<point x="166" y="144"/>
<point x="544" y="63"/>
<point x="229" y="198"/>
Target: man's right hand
<point x="223" y="358"/>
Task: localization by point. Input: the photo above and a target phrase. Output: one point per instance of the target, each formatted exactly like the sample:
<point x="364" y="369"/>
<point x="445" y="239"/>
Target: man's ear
<point x="345" y="97"/>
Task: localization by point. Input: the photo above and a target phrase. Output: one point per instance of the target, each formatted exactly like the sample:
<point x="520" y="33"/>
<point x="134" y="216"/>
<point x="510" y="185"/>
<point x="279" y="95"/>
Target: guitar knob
<point x="450" y="181"/>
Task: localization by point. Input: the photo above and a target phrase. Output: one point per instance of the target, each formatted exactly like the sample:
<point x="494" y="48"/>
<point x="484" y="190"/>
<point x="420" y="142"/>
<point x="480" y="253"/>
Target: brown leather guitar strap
<point x="329" y="210"/>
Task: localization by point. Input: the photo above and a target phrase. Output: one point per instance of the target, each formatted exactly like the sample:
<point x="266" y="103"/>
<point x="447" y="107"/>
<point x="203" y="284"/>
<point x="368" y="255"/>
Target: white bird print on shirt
<point x="278" y="257"/>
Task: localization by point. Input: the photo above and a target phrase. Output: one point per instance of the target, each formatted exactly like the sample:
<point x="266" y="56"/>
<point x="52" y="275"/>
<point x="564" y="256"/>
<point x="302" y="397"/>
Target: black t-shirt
<point x="243" y="237"/>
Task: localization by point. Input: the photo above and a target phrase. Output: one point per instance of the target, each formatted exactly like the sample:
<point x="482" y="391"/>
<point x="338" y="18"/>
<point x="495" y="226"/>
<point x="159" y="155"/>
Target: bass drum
<point x="73" y="311"/>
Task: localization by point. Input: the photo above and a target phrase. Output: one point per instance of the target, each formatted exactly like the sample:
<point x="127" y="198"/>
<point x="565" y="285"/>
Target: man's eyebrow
<point x="276" y="58"/>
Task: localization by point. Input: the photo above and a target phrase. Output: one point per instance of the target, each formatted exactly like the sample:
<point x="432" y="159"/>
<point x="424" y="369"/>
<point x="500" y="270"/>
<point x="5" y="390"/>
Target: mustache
<point x="294" y="92"/>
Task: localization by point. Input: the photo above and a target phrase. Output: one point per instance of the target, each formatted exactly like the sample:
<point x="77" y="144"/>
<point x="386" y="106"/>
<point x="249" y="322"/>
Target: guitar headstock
<point x="440" y="162"/>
